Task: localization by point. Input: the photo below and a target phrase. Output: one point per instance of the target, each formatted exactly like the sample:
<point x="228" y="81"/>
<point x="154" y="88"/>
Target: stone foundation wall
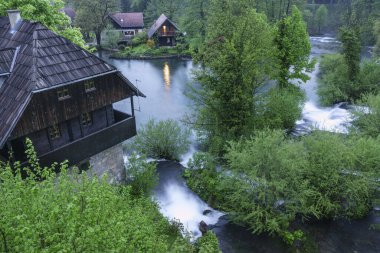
<point x="110" y="162"/>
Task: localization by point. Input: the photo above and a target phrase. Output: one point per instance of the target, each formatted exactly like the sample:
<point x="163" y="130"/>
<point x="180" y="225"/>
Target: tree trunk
<point x="98" y="38"/>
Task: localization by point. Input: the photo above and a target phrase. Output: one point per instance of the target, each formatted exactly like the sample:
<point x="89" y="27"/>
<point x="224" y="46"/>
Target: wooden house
<point x="58" y="95"/>
<point x="164" y="31"/>
<point x="129" y="24"/>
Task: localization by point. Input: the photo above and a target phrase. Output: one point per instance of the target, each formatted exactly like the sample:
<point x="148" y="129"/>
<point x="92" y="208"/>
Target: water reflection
<point x="167" y="76"/>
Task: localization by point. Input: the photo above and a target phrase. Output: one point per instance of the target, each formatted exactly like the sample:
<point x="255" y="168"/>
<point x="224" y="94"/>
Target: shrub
<point x="142" y="176"/>
<point x="279" y="108"/>
<point x="335" y="85"/>
<point x="208" y="243"/>
<point x="269" y="179"/>
<point x="111" y="37"/>
<point x="151" y="43"/>
<point x="76" y="213"/>
<point x="367" y="116"/>
<point x="334" y="79"/>
<point x="162" y="140"/>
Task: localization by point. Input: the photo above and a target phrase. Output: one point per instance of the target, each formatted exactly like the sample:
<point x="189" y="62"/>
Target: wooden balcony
<point x="166" y="34"/>
<point x="81" y="149"/>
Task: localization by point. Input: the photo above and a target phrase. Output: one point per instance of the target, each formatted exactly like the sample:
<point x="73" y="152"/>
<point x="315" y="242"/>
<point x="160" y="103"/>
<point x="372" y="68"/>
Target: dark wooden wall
<point x="70" y="130"/>
<point x="46" y="110"/>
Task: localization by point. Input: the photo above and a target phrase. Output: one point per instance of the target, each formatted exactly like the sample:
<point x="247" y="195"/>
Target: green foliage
<point x="76" y="213"/>
<point x="92" y="15"/>
<point x="154" y="9"/>
<point x="351" y="52"/>
<point x="163" y="139"/>
<point x="142" y="176"/>
<point x="147" y="50"/>
<point x="367" y="116"/>
<point x="140" y="38"/>
<point x="293" y="45"/>
<point x="202" y="177"/>
<point x="111" y="37"/>
<point x="235" y="64"/>
<point x="279" y="108"/>
<point x="269" y="180"/>
<point x="47" y="13"/>
<point x="321" y="17"/>
<point x="376" y="32"/>
<point x="290" y="238"/>
<point x="335" y="85"/>
<point x="208" y="243"/>
<point x="334" y="80"/>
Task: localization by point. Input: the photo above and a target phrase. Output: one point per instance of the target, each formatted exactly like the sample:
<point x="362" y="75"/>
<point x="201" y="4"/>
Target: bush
<point x="335" y="85"/>
<point x="208" y="243"/>
<point x="334" y="80"/>
<point x="150" y="43"/>
<point x="111" y="37"/>
<point x="76" y="213"/>
<point x="142" y="176"/>
<point x="162" y="140"/>
<point x="367" y="116"/>
<point x="140" y="38"/>
<point x="270" y="180"/>
<point x="279" y="108"/>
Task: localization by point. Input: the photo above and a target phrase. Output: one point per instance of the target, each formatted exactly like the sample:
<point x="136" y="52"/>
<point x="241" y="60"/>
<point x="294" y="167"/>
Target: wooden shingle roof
<point x="41" y="60"/>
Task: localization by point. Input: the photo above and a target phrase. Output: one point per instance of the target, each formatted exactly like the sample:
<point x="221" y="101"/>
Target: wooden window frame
<point x="63" y="94"/>
<point x="54" y="132"/>
<point x="86" y="119"/>
<point x="89" y="86"/>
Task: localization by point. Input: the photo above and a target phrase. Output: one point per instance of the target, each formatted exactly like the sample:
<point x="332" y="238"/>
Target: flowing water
<point x="164" y="82"/>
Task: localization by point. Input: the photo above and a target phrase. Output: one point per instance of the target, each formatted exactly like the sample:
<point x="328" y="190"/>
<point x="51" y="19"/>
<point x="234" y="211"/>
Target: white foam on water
<point x="331" y="119"/>
<point x="192" y="150"/>
<point x="177" y="202"/>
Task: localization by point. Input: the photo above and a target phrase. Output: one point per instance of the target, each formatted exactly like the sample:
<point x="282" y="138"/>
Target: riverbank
<point x="144" y="52"/>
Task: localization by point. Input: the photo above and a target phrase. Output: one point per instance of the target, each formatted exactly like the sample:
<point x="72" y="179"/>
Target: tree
<point x="376" y="31"/>
<point x="237" y="60"/>
<point x="293" y="45"/>
<point x="351" y="51"/>
<point x="194" y="22"/>
<point x="92" y="15"/>
<point x="154" y="9"/>
<point x="47" y="13"/>
<point x="321" y="16"/>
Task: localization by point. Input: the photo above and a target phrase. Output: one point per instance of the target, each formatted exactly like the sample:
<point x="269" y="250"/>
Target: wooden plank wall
<point x="46" y="110"/>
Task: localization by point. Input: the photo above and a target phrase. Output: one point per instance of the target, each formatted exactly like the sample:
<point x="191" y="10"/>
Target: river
<point x="164" y="82"/>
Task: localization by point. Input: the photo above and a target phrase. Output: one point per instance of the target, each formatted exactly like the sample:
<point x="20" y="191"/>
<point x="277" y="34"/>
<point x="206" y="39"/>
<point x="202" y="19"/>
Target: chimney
<point x="14" y="19"/>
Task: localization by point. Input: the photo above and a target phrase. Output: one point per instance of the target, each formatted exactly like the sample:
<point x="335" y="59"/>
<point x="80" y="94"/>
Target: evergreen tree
<point x="171" y="9"/>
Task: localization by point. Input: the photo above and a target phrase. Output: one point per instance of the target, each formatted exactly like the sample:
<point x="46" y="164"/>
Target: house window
<point x="164" y="29"/>
<point x="89" y="86"/>
<point x="54" y="132"/>
<point x="129" y="33"/>
<point x="86" y="119"/>
<point x="63" y="94"/>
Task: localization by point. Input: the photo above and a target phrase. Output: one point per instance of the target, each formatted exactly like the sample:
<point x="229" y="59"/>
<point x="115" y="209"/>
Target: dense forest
<point x="250" y="166"/>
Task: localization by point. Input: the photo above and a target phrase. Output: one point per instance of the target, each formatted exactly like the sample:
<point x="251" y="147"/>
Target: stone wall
<point x="110" y="162"/>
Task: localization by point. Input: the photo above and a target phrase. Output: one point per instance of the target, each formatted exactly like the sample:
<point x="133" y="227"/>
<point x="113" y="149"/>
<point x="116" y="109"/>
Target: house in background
<point x="61" y="97"/>
<point x="164" y="30"/>
<point x="129" y="24"/>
